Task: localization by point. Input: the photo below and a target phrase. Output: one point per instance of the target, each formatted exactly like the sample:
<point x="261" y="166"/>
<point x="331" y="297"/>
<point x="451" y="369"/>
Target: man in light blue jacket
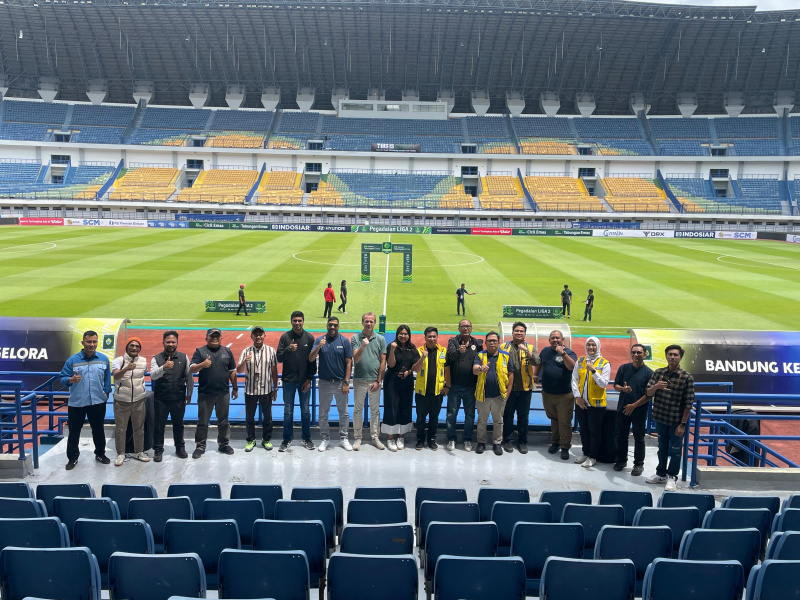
<point x="88" y="375"/>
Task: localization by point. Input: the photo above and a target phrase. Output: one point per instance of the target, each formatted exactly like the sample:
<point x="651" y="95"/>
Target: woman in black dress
<point x="398" y="388"/>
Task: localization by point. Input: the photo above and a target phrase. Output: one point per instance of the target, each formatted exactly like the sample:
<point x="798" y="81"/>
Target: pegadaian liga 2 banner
<point x="532" y="312"/>
<point x="228" y="306"/>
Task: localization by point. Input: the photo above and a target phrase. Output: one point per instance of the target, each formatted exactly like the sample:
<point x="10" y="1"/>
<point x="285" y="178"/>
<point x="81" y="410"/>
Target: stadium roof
<point x="606" y="48"/>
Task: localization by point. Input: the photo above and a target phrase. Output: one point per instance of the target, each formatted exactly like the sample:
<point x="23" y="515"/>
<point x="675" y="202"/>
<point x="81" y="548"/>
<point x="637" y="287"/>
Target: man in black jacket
<point x="293" y="350"/>
<point x="461" y="352"/>
<point x="172" y="391"/>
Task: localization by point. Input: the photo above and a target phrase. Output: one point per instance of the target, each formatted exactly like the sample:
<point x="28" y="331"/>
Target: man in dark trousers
<point x="330" y="298"/>
<point x="589" y="302"/>
<point x="172" y="391"/>
<point x="631" y="383"/>
<point x="461" y="352"/>
<point x="293" y="350"/>
<point x="460" y="293"/>
<point x="343" y="297"/>
<point x="242" y="305"/>
<point x="566" y="301"/>
<point x="216" y="386"/>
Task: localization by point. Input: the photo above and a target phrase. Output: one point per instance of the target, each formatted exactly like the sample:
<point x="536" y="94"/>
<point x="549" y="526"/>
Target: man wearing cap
<point x="128" y="371"/>
<point x="260" y="365"/>
<point x="217" y="368"/>
<point x="172" y="391"/>
<point x="242" y="304"/>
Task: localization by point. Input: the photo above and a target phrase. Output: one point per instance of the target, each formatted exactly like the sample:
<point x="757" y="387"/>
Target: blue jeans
<point x="670" y="448"/>
<point x="289" y="388"/>
<point x="454" y="399"/>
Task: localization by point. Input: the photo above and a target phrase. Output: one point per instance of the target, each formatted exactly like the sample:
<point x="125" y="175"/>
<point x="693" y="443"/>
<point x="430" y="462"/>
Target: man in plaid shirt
<point x="672" y="391"/>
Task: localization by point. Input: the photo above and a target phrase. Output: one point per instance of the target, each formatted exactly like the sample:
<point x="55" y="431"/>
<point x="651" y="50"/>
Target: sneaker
<point x="656" y="479"/>
<point x="378" y="444"/>
<point x="420" y="445"/>
<point x="433" y="445"/>
<point x="620" y="466"/>
<point x="637" y="470"/>
<point x="197" y="453"/>
<point x="248" y="447"/>
<point x="225" y="450"/>
<point x="451" y="445"/>
<point x="508" y="447"/>
<point x="347" y="445"/>
<point x="498" y="449"/>
<point x="158" y="456"/>
<point x="102" y="459"/>
<point x="672" y="484"/>
<point x="180" y="452"/>
<point x="581" y="459"/>
<point x="467" y="446"/>
<point x="323" y="445"/>
<point x="392" y="445"/>
<point x="356" y="445"/>
<point x="480" y="448"/>
<point x="564" y="454"/>
<point x="119" y="460"/>
<point x="266" y="444"/>
<point x="553" y="448"/>
<point x="141" y="457"/>
<point x="284" y="446"/>
<point x="523" y="448"/>
<point x="588" y="463"/>
<point x="401" y="443"/>
<point x="71" y="465"/>
<point x="307" y="444"/>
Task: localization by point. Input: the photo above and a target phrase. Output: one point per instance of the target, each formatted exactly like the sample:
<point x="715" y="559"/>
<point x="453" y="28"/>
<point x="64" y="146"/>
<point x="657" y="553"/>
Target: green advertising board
<point x="257" y="306"/>
<point x="389" y="229"/>
<point x="552" y="232"/>
<point x="386" y="248"/>
<point x="532" y="312"/>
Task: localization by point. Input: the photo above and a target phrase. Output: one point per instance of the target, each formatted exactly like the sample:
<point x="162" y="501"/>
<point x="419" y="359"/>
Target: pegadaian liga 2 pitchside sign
<point x="532" y="312"/>
<point x="258" y="306"/>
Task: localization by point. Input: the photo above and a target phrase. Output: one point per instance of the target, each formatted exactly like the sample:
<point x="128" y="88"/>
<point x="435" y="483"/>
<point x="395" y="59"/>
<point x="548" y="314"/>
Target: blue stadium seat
<point x="334" y="494"/>
<point x="393" y="539"/>
<point x="742" y="545"/>
<point x="457" y="577"/>
<point x="104" y="538"/>
<point x="157" y="511"/>
<point x="21" y="508"/>
<point x="536" y="542"/>
<point x="436" y="495"/>
<point x="268" y="493"/>
<point x="557" y="500"/>
<point x="583" y="579"/>
<point x="641" y="545"/>
<point x="70" y="510"/>
<point x="449" y="512"/>
<point x="457" y="539"/>
<point x="792" y="501"/>
<point x="487" y="496"/>
<point x="773" y="503"/>
<point x="309" y="510"/>
<point x="196" y="492"/>
<point x="741" y="518"/>
<point x="245" y="512"/>
<point x="668" y="578"/>
<point x="122" y="494"/>
<point x="703" y="502"/>
<point x="593" y="517"/>
<point x="155" y="576"/>
<point x="508" y="514"/>
<point x="373" y="576"/>
<point x="379" y="493"/>
<point x="630" y="500"/>
<point x="207" y="539"/>
<point x="63" y="573"/>
<point x="308" y="536"/>
<point x="774" y="580"/>
<point x="46" y="492"/>
<point x="784" y="546"/>
<point x="787" y="520"/>
<point x="377" y="512"/>
<point x="679" y="520"/>
<point x="43" y="532"/>
<point x="254" y="574"/>
<point x="15" y="489"/>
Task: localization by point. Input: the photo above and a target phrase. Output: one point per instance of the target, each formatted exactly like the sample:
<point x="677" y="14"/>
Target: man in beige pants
<point x="495" y="380"/>
<point x="128" y="371"/>
<point x="555" y="373"/>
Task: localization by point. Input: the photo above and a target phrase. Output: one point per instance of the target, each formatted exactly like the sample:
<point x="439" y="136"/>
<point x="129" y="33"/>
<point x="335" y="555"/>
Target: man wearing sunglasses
<point x="631" y="383"/>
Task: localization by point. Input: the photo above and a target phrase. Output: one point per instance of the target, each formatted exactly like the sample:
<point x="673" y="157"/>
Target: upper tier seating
<point x="683" y="147"/>
<point x="486" y="127"/>
<point x="97" y="135"/>
<point x="175" y="118"/>
<point x="599" y="127"/>
<point x="16" y="111"/>
<point x="680" y="129"/>
<point x="536" y="146"/>
<point x="543" y="127"/>
<point x="162" y="137"/>
<point x="102" y="116"/>
<point x="222" y="186"/>
<point x="242" y="120"/>
<point x="299" y="122"/>
<point x="235" y="139"/>
<point x="746" y="127"/>
<point x="23" y="132"/>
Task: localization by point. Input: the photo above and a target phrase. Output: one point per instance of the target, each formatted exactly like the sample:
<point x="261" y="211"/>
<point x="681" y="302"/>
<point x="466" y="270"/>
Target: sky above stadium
<point x="760" y="5"/>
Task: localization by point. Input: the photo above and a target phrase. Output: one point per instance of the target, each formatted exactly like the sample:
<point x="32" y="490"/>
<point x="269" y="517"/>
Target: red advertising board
<point x="41" y="221"/>
<point x="491" y="231"/>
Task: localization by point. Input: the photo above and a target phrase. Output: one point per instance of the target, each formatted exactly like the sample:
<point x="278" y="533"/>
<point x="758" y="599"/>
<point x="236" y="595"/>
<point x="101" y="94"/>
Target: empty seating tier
<point x="280" y="187"/>
<point x="145" y="183"/>
<point x="221" y="186"/>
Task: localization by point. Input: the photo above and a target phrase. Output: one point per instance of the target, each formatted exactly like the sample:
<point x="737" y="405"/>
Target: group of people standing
<point x="566" y="304"/>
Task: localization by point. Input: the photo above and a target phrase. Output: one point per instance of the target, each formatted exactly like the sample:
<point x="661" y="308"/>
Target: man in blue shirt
<point x="335" y="361"/>
<point x="88" y="375"/>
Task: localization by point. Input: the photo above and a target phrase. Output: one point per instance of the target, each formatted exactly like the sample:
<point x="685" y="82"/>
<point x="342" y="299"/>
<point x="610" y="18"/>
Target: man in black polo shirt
<point x="460" y="293"/>
<point x="293" y="350"/>
<point x="555" y="373"/>
<point x="242" y="304"/>
<point x="631" y="383"/>
<point x="172" y="391"/>
<point x="566" y="301"/>
<point x="461" y="352"/>
<point x="217" y="369"/>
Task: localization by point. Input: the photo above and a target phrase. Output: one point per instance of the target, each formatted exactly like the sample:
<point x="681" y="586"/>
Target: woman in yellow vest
<point x="589" y="380"/>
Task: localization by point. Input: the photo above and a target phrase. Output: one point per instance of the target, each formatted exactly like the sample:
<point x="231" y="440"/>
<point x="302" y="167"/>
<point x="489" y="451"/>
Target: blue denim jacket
<point x="95" y="383"/>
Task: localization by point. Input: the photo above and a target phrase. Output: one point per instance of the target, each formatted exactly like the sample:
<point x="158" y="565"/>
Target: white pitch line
<point x="229" y="345"/>
<point x="240" y="335"/>
<point x="386" y="284"/>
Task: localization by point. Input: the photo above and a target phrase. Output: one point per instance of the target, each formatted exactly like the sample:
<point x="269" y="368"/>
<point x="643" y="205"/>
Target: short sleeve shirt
<point x="367" y="368"/>
<point x="636" y="378"/>
<point x="566" y="296"/>
<point x="460" y="293"/>
<point x="333" y="357"/>
<point x="215" y="379"/>
<point x="492" y="386"/>
<point x="555" y="376"/>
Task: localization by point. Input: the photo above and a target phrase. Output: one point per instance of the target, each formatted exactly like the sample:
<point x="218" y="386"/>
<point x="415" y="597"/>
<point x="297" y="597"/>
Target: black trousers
<point x="460" y="307"/>
<point x="565" y="308"/>
<point x="591" y="423"/>
<point x="587" y="313"/>
<point x="242" y="305"/>
<point x="343" y="304"/>
<point x="251" y="402"/>
<point x="328" y="310"/>
<point x="428" y="407"/>
<point x="175" y="411"/>
<point x="76" y="415"/>
<point x="519" y="403"/>
<point x="637" y="420"/>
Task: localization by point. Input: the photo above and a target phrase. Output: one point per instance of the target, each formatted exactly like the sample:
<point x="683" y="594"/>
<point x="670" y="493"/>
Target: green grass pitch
<point x="162" y="277"/>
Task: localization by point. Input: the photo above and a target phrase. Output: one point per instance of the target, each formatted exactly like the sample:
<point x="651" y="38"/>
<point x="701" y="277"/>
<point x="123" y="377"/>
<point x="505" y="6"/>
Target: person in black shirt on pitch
<point x="242" y="304"/>
<point x="631" y="383"/>
<point x="293" y="350"/>
<point x="343" y="296"/>
<point x="589" y="302"/>
<point x="566" y="301"/>
<point x="460" y="293"/>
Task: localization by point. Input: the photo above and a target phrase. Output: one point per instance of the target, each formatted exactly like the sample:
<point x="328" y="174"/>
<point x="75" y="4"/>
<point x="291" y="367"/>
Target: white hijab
<point x="596" y="355"/>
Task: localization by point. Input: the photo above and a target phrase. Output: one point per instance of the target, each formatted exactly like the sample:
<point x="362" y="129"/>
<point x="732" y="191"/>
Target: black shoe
<point x="180" y="452"/>
<point x="284" y="446"/>
<point x="619" y="466"/>
<point x="523" y="448"/>
<point x="637" y="470"/>
<point x="198" y="453"/>
<point x="553" y="448"/>
<point x="158" y="456"/>
<point x="225" y="450"/>
<point x="308" y="444"/>
<point x="102" y="459"/>
<point x="71" y="464"/>
<point x="480" y="448"/>
<point x="564" y="454"/>
<point x="508" y="447"/>
<point x="420" y="445"/>
<point x="432" y="445"/>
<point x="498" y="449"/>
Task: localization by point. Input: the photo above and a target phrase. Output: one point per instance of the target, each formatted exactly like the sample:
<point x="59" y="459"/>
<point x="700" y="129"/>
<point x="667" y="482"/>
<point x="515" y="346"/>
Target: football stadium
<point x="229" y="228"/>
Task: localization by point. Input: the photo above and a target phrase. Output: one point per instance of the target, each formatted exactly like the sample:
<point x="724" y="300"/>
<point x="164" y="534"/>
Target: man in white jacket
<point x="128" y="371"/>
<point x="589" y="380"/>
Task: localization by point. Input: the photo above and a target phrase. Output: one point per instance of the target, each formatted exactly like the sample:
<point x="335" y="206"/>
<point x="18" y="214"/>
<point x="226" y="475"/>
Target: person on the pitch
<point x="460" y="293"/>
<point x="260" y="365"/>
<point x="242" y="304"/>
<point x="589" y="302"/>
<point x="172" y="391"/>
<point x="343" y="296"/>
<point x="566" y="301"/>
<point x="330" y="298"/>
<point x="589" y="380"/>
<point x="631" y="383"/>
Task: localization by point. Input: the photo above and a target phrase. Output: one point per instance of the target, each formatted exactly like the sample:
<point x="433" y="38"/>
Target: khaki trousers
<point x="123" y="412"/>
<point x="494" y="407"/>
<point x="558" y="408"/>
<point x="360" y="392"/>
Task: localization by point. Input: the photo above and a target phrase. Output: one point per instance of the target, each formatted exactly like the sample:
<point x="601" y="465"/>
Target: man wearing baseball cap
<point x="217" y="368"/>
<point x="260" y="365"/>
<point x="242" y="305"/>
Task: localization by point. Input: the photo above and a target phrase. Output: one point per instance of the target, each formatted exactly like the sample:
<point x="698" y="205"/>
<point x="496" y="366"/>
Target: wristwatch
<point x="683" y="424"/>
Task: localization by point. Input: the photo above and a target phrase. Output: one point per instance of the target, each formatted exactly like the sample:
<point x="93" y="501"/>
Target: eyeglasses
<point x="465" y="326"/>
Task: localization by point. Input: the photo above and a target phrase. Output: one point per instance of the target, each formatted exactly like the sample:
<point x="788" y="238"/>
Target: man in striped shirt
<point x="260" y="365"/>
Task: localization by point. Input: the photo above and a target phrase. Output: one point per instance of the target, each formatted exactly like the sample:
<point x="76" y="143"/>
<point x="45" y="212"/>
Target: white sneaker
<point x="323" y="445"/>
<point x="119" y="460"/>
<point x="347" y="446"/>
<point x="581" y="459"/>
<point x="589" y="462"/>
<point x="655" y="479"/>
<point x="401" y="443"/>
<point x="392" y="445"/>
<point x="356" y="445"/>
<point x="672" y="484"/>
<point x="467" y="446"/>
<point x="451" y="445"/>
<point x="142" y="457"/>
<point x="378" y="444"/>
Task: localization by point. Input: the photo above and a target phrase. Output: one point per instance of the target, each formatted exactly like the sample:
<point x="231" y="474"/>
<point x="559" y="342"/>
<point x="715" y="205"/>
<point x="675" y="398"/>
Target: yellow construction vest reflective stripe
<point x="422" y="376"/>
<point x="502" y="374"/>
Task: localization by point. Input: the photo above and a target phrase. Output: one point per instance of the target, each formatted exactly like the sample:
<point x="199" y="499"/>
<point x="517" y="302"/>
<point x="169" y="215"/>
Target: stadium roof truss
<point x="608" y="49"/>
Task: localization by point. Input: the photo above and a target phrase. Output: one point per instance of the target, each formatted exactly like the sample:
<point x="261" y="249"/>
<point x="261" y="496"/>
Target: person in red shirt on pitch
<point x="330" y="298"/>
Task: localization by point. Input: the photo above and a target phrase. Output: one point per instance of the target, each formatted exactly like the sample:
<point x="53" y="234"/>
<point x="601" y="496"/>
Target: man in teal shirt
<point x="369" y="354"/>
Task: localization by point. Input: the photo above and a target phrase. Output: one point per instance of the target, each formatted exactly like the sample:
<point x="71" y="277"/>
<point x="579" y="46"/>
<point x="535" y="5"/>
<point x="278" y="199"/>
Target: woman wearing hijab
<point x="589" y="380"/>
<point x="398" y="388"/>
<point x="129" y="399"/>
